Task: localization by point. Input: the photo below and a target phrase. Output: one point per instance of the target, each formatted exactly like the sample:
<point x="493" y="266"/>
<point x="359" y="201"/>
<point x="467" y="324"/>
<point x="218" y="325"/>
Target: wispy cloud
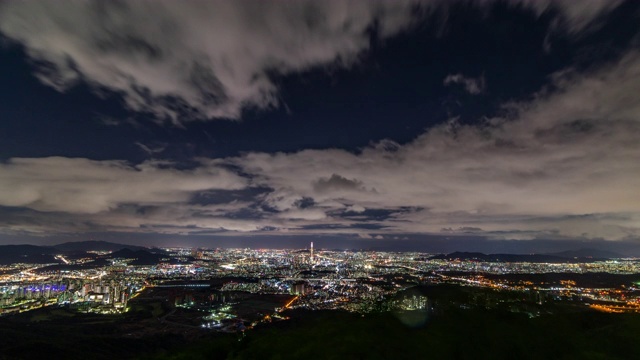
<point x="577" y="15"/>
<point x="151" y="149"/>
<point x="473" y="86"/>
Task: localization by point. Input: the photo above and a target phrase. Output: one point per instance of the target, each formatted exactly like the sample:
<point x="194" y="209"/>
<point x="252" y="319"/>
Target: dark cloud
<point x="338" y="183"/>
<point x="214" y="196"/>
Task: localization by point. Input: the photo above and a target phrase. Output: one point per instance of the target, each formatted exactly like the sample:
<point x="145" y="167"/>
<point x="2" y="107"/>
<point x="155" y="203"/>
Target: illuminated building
<point x="298" y="288"/>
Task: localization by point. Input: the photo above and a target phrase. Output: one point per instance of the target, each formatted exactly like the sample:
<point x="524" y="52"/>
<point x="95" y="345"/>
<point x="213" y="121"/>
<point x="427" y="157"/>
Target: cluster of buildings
<point x="93" y="290"/>
<point x="359" y="281"/>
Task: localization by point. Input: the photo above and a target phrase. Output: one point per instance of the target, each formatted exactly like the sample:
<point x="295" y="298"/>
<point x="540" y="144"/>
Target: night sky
<point x="495" y="126"/>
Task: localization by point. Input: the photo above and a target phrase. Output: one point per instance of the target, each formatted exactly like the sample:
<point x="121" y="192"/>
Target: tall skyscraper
<point x="311" y="257"/>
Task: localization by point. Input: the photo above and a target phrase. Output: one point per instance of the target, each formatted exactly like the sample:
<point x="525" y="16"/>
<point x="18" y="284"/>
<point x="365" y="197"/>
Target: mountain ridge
<point x="581" y="255"/>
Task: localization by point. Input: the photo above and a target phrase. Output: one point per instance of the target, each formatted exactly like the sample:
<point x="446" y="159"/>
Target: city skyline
<point x="490" y="126"/>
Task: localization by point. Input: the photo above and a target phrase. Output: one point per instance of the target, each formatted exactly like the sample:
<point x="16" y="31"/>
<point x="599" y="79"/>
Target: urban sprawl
<point x="216" y="284"/>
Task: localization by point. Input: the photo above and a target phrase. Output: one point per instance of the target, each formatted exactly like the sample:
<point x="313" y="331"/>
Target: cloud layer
<point x="211" y="59"/>
<point x="563" y="164"/>
<point x="566" y="160"/>
<point x="86" y="186"/>
<point x="473" y="86"/>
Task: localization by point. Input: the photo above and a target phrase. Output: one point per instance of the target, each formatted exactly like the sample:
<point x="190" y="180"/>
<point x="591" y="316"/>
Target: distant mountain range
<point x="34" y="254"/>
<point x="31" y="254"/>
<point x="588" y="253"/>
<point x="582" y="255"/>
<point x="96" y="246"/>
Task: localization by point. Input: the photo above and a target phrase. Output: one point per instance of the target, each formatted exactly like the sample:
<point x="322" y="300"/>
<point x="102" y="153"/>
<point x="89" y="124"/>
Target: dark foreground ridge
<point x="446" y="333"/>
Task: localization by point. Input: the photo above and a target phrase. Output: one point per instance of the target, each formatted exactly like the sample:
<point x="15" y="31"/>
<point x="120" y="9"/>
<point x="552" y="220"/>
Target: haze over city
<point x="492" y="126"/>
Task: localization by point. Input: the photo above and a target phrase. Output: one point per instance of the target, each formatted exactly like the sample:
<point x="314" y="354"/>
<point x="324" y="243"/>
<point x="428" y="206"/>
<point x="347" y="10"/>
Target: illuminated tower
<point x="311" y="257"/>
